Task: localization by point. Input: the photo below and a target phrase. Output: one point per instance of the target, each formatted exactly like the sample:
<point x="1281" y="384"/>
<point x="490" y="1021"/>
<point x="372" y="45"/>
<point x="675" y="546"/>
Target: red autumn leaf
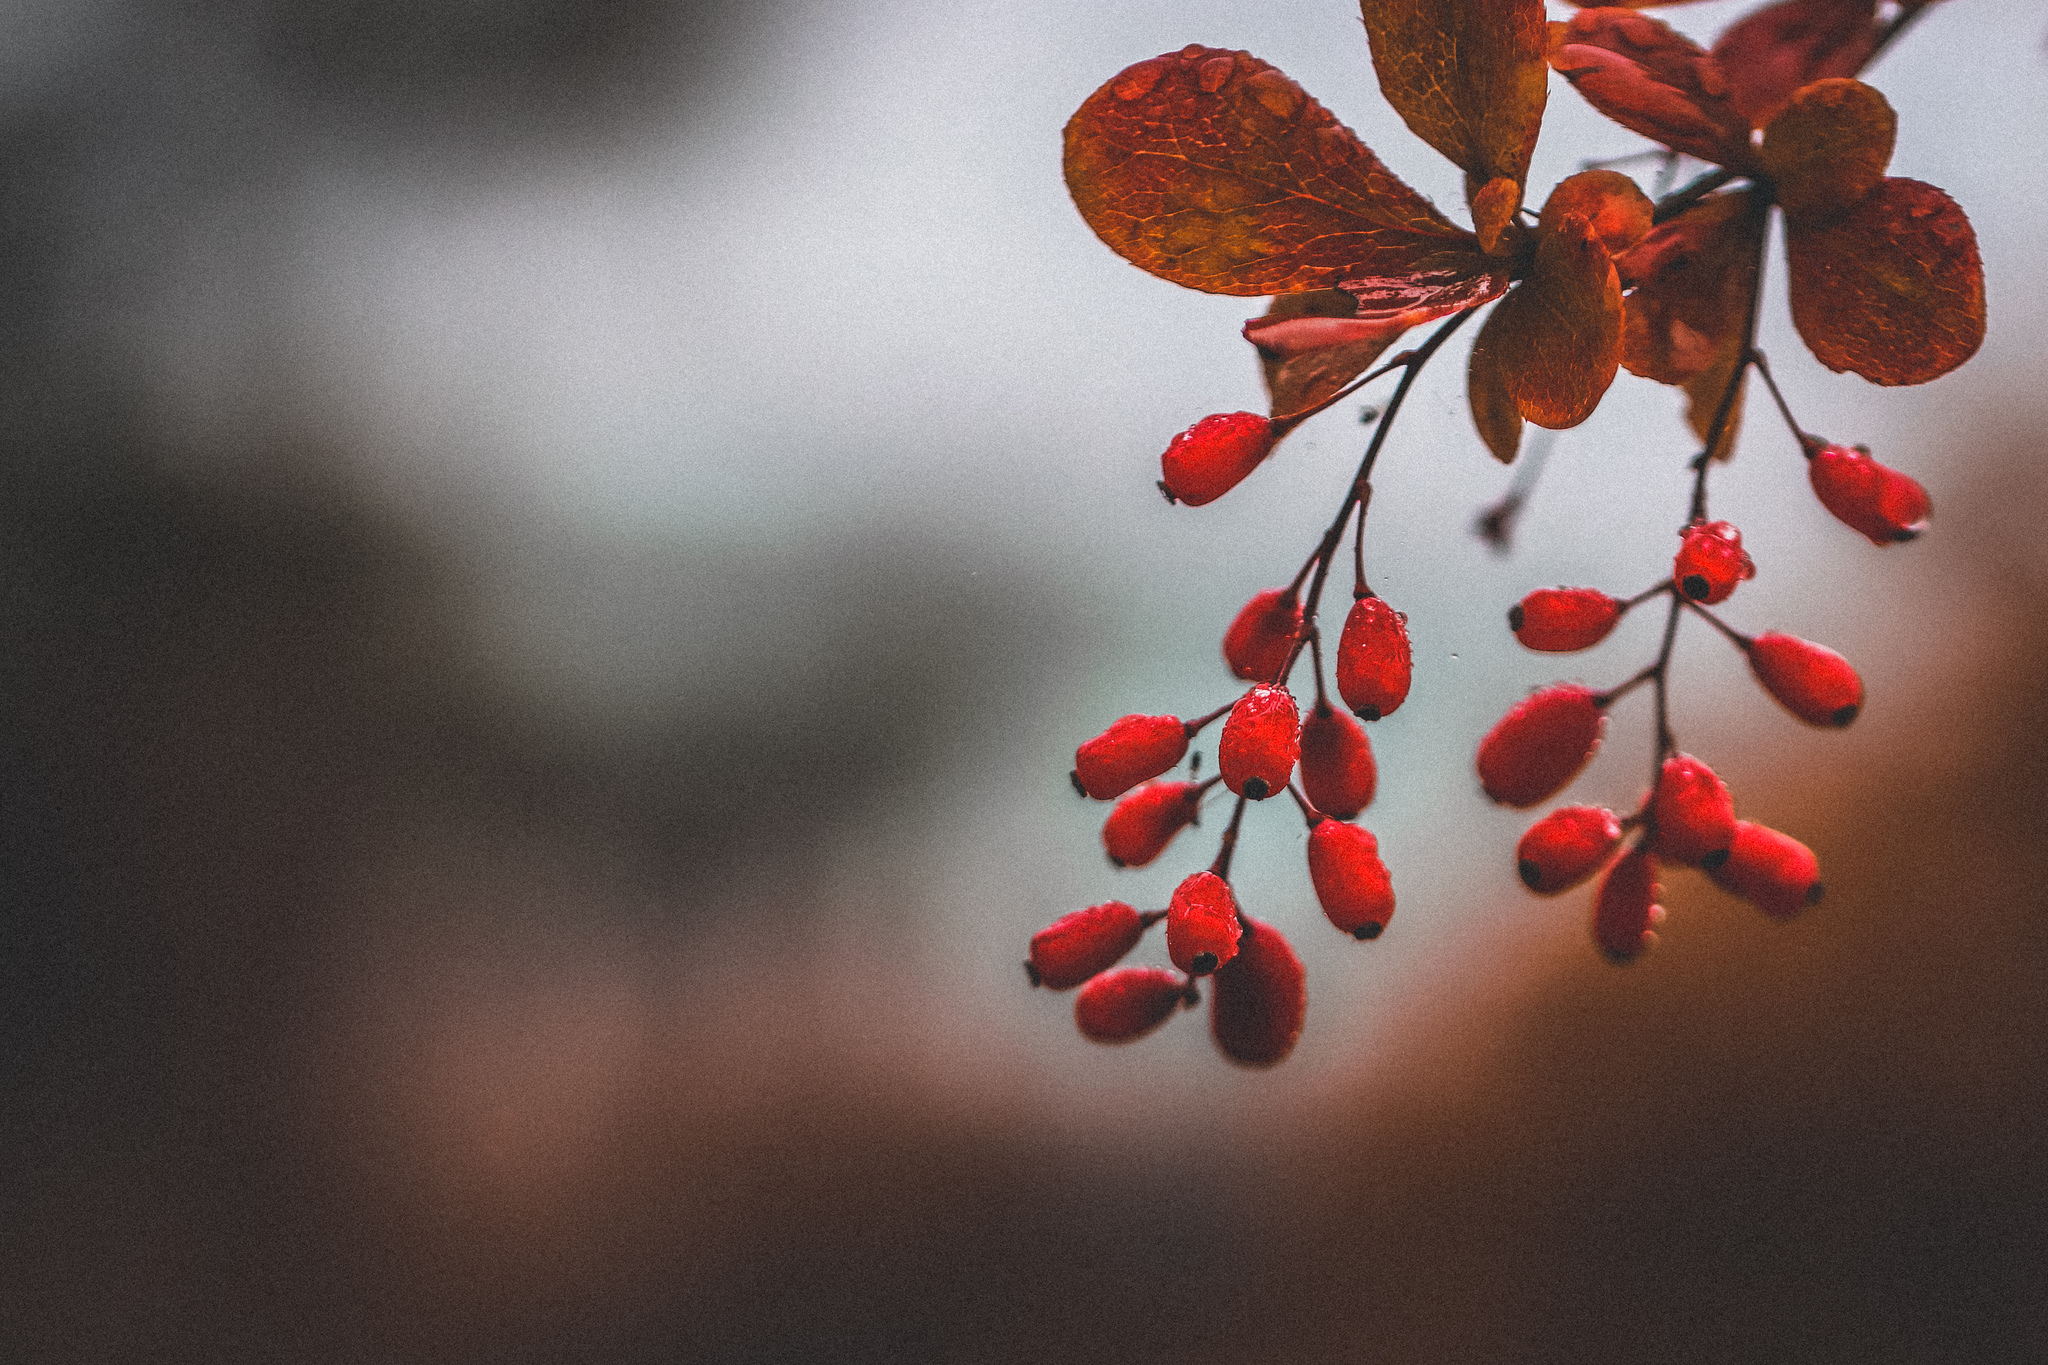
<point x="1705" y="392"/>
<point x="1629" y="4"/>
<point x="1653" y="80"/>
<point x="1829" y="148"/>
<point x="1692" y="278"/>
<point x="1614" y="207"/>
<point x="1893" y="289"/>
<point x="1214" y="170"/>
<point x="1313" y="344"/>
<point x="1467" y="76"/>
<point x="1776" y="50"/>
<point x="1556" y="338"/>
<point x="1493" y="408"/>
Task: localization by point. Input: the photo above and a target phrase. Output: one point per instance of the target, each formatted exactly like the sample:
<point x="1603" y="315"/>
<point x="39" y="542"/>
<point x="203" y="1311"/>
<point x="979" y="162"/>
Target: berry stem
<point x="1195" y="727"/>
<point x="1666" y="744"/>
<point x="1283" y="425"/>
<point x="1735" y="637"/>
<point x="1358" y="585"/>
<point x="1645" y="595"/>
<point x="1724" y="411"/>
<point x="1309" y="813"/>
<point x="1807" y="443"/>
<point x="1228" y="850"/>
<point x="1315" y="649"/>
<point x="1149" y="918"/>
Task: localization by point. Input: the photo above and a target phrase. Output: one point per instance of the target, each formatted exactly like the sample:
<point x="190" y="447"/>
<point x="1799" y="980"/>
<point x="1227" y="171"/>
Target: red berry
<point x="1626" y="910"/>
<point x="1261" y="999"/>
<point x="1350" y="880"/>
<point x="1565" y="847"/>
<point x="1337" y="771"/>
<point x="1131" y="751"/>
<point x="1374" y="662"/>
<point x="1129" y="1003"/>
<point x="1259" y="641"/>
<point x="1692" y="812"/>
<point x="1145" y="821"/>
<point x="1811" y="681"/>
<point x="1202" y="924"/>
<point x="1772" y="871"/>
<point x="1212" y="457"/>
<point x="1882" y="503"/>
<point x="1540" y="745"/>
<point x="1711" y="561"/>
<point x="1075" y="947"/>
<point x="1260" y="741"/>
<point x="1560" y="620"/>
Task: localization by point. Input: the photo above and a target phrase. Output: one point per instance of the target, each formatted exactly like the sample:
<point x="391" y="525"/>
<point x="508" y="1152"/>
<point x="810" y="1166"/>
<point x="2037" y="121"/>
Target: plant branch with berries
<point x="1215" y="171"/>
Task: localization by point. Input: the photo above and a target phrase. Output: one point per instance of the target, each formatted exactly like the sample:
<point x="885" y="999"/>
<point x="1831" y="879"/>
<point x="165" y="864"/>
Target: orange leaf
<point x="1653" y="80"/>
<point x="1704" y="392"/>
<point x="1629" y="4"/>
<point x="1829" y="148"/>
<point x="1557" y="337"/>
<point x="1493" y="409"/>
<point x="1893" y="289"/>
<point x="1693" y="277"/>
<point x="1466" y="75"/>
<point x="1776" y="50"/>
<point x="1616" y="210"/>
<point x="1493" y="208"/>
<point x="1311" y="345"/>
<point x="1214" y="170"/>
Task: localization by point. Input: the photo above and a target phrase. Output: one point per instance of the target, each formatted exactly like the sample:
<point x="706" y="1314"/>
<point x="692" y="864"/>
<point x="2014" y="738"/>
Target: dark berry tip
<point x="1203" y="964"/>
<point x="1116" y="862"/>
<point x="1814" y="893"/>
<point x="1515" y="618"/>
<point x="1031" y="971"/>
<point x="1696" y="587"/>
<point x="1075" y="778"/>
<point x="1846" y="713"/>
<point x="1617" y="958"/>
<point x="1900" y="537"/>
<point x="1167" y="493"/>
<point x="1367" y="932"/>
<point x="1256" y="788"/>
<point x="1367" y="713"/>
<point x="1714" y="859"/>
<point x="1532" y="875"/>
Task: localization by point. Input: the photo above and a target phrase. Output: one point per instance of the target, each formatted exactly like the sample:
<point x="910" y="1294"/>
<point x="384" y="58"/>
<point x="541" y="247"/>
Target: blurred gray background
<point x="555" y="555"/>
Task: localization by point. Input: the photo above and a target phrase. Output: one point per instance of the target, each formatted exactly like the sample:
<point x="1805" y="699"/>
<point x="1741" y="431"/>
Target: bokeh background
<point x="554" y="553"/>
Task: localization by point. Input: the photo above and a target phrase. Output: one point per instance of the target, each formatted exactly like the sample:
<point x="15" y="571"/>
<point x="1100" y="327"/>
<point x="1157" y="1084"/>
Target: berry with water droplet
<point x="1711" y="561"/>
<point x="1145" y="821"/>
<point x="1261" y="740"/>
<point x="1565" y="847"/>
<point x="1350" y="880"/>
<point x="1337" y="769"/>
<point x="1883" y="504"/>
<point x="1076" y="946"/>
<point x="1202" y="924"/>
<point x="1129" y="1003"/>
<point x="1374" y="660"/>
<point x="1135" y="749"/>
<point x="1811" y="681"/>
<point x="1692" y="812"/>
<point x="1540" y="745"/>
<point x="1213" y="456"/>
<point x="1772" y="871"/>
<point x="1262" y="636"/>
<point x="1626" y="909"/>
<point x="1560" y="620"/>
<point x="1261" y="999"/>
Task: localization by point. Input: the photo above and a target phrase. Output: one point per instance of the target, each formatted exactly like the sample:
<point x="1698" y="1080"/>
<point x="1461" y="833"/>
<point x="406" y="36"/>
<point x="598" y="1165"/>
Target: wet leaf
<point x="1893" y="289"/>
<point x="1466" y="75"/>
<point x="1776" y="50"/>
<point x="1829" y="148"/>
<point x="1614" y="207"/>
<point x="1557" y="336"/>
<point x="1214" y="170"/>
<point x="1311" y="345"/>
<point x="1493" y="408"/>
<point x="1653" y="80"/>
<point x="1428" y="293"/>
<point x="1692" y="280"/>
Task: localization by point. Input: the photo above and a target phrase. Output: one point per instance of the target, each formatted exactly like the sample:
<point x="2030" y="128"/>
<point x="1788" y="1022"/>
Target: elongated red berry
<point x="1129" y="1003"/>
<point x="1076" y="946"/>
<point x="1811" y="681"/>
<point x="1262" y="636"/>
<point x="1565" y="847"/>
<point x="1134" y="750"/>
<point x="1692" y="812"/>
<point x="1711" y="561"/>
<point x="1145" y="821"/>
<point x="1626" y="909"/>
<point x="1560" y="620"/>
<point x="1261" y="740"/>
<point x="1261" y="999"/>
<point x="1337" y="769"/>
<point x="1374" y="661"/>
<point x="1540" y="745"/>
<point x="1201" y="924"/>
<point x="1882" y="503"/>
<point x="1772" y="871"/>
<point x="1351" y="882"/>
<point x="1213" y="456"/>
